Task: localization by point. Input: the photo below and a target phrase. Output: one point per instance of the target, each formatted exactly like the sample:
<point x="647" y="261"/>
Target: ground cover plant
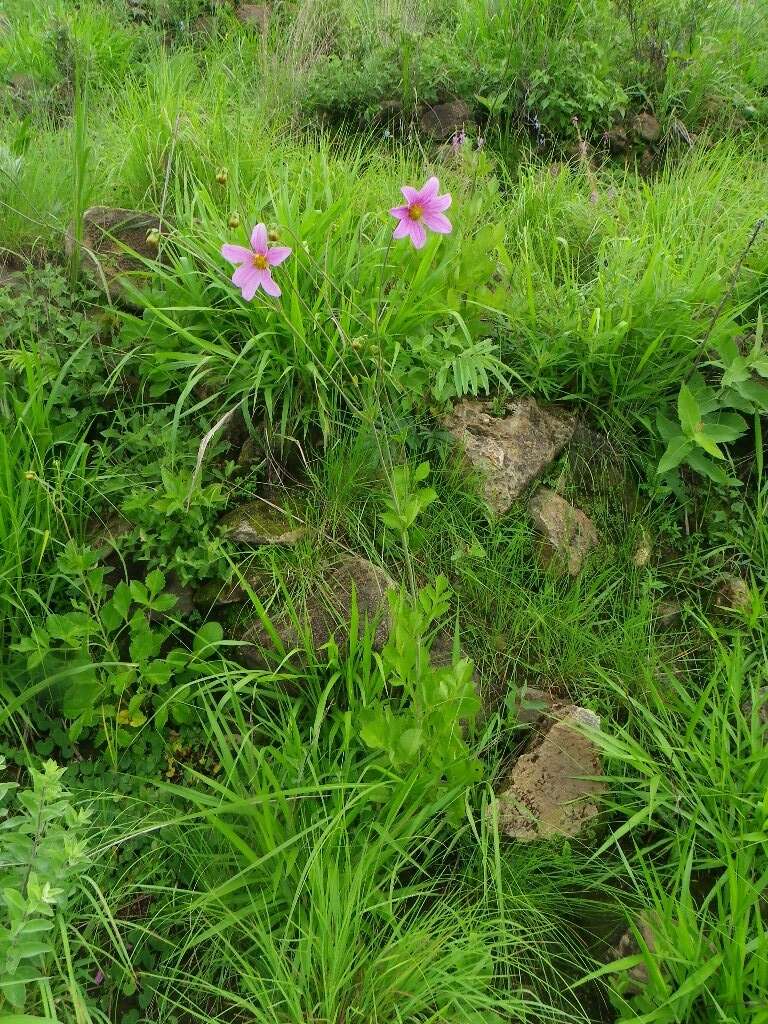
<point x="383" y="550"/>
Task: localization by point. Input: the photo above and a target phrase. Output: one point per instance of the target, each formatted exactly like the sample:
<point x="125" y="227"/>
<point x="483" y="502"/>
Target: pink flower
<point x="423" y="209"/>
<point x="254" y="264"/>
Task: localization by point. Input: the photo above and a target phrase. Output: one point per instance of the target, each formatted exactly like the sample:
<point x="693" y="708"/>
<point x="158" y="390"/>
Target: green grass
<point x="254" y="854"/>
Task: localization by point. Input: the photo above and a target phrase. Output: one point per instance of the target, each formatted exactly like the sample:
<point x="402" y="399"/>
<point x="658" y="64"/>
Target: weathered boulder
<point x="733" y="594"/>
<point x="116" y="244"/>
<point x="509" y="451"/>
<point x="546" y="793"/>
<point x="668" y="614"/>
<point x="261" y="522"/>
<point x="646" y="127"/>
<point x="568" y="534"/>
<point x="628" y="945"/>
<point x="326" y="610"/>
<point x="254" y="16"/>
<point x="445" y="119"/>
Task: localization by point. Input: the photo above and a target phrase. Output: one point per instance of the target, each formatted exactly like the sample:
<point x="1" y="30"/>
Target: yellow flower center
<point x="415" y="212"/>
<point x="260" y="261"/>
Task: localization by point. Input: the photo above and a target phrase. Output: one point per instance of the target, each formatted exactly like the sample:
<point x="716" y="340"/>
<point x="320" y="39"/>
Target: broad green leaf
<point x="677" y="451"/>
<point x="697" y="460"/>
<point x="688" y="411"/>
<point x="705" y="441"/>
<point x="755" y="392"/>
<point x="155" y="582"/>
<point x="210" y="634"/>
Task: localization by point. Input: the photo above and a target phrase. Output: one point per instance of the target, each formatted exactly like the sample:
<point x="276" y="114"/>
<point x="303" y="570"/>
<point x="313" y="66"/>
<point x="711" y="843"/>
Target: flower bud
<point x="153" y="238"/>
<point x="222" y="175"/>
<point x="273" y="236"/>
<point x="234" y="221"/>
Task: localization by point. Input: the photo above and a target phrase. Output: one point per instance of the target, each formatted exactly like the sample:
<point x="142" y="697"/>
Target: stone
<point x="219" y="593"/>
<point x="596" y="466"/>
<point x="531" y="705"/>
<point x="545" y="795"/>
<point x="616" y="140"/>
<point x="261" y="522"/>
<point x="668" y="614"/>
<point x="641" y="556"/>
<point x="115" y="246"/>
<point x="255" y="16"/>
<point x="326" y="611"/>
<point x="628" y="945"/>
<point x="509" y="451"/>
<point x="443" y="120"/>
<point x="646" y="127"/>
<point x="733" y="595"/>
<point x="568" y="534"/>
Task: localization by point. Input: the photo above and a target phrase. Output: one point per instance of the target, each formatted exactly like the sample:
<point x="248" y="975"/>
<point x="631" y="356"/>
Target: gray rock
<point x="733" y="594"/>
<point x="116" y="243"/>
<point x="646" y="127"/>
<point x="628" y="945"/>
<point x="568" y="534"/>
<point x="509" y="451"/>
<point x="668" y="614"/>
<point x="546" y="794"/>
<point x="445" y="119"/>
<point x="325" y="614"/>
<point x="531" y="706"/>
<point x="254" y="16"/>
<point x="261" y="522"/>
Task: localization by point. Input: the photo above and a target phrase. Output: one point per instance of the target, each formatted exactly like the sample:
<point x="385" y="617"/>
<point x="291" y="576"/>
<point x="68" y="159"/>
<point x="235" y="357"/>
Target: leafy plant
<point x="425" y="725"/>
<point x="710" y="415"/>
<point x="42" y="855"/>
<point x="108" y="658"/>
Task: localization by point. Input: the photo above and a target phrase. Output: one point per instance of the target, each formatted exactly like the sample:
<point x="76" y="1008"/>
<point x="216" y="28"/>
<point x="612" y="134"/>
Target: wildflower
<point x="222" y="175"/>
<point x="480" y="142"/>
<point x="254" y="265"/>
<point x="153" y="238"/>
<point x="458" y="141"/>
<point x="423" y="209"/>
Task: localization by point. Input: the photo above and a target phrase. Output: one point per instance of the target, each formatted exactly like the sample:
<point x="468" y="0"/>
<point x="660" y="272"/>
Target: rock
<point x="646" y="127"/>
<point x="102" y="533"/>
<point x="261" y="522"/>
<point x="641" y="556"/>
<point x="108" y="235"/>
<point x="616" y="140"/>
<point x="637" y="976"/>
<point x="544" y="795"/>
<point x="762" y="706"/>
<point x="568" y="534"/>
<point x="326" y="611"/>
<point x="255" y="16"/>
<point x="509" y="451"/>
<point x="445" y="119"/>
<point x="531" y="705"/>
<point x="733" y="595"/>
<point x="596" y="466"/>
<point x="668" y="614"/>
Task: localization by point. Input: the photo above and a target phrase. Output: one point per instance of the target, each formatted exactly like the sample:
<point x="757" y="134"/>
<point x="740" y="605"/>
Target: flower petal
<point x="438" y="222"/>
<point x="418" y="234"/>
<point x="259" y="238"/>
<point x="277" y="254"/>
<point x="411" y="194"/>
<point x="247" y="281"/>
<point x="400" y="211"/>
<point x="403" y="229"/>
<point x="270" y="286"/>
<point x="438" y="203"/>
<point x="243" y="274"/>
<point x="235" y="254"/>
<point x="429" y="190"/>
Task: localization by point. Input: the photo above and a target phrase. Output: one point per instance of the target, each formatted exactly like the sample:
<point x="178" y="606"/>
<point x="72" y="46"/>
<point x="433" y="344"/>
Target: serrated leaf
<point x="688" y="411"/>
<point x="705" y="441"/>
<point x="755" y="392"/>
<point x="155" y="582"/>
<point x="676" y="452"/>
<point x="121" y="599"/>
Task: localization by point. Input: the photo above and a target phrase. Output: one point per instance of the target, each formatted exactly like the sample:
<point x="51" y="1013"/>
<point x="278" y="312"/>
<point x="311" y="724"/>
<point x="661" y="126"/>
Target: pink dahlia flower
<point x="254" y="265"/>
<point x="423" y="209"/>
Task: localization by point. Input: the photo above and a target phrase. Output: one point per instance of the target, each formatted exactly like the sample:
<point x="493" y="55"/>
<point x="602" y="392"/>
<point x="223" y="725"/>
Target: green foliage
<point x="42" y="855"/>
<point x="712" y="414"/>
<point x="437" y="703"/>
<point x="108" y="658"/>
